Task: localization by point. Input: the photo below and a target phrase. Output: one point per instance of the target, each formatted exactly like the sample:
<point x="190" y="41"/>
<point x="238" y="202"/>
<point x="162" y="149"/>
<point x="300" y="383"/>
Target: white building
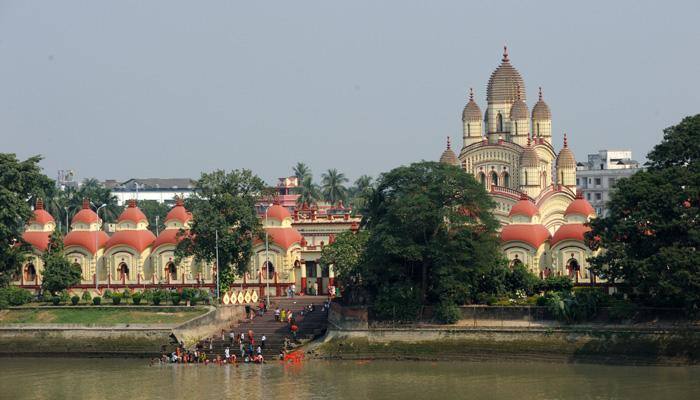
<point x="597" y="177"/>
<point x="163" y="190"/>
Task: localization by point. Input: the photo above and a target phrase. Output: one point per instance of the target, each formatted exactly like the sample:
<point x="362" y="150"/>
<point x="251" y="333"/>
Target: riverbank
<point x="351" y="336"/>
<point x="129" y="331"/>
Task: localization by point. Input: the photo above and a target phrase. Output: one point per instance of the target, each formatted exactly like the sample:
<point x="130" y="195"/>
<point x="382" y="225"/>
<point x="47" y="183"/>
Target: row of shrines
<point x="509" y="150"/>
<point x="134" y="256"/>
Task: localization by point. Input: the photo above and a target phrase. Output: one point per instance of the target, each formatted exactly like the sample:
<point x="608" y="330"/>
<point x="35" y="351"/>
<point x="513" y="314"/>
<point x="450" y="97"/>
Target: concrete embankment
<point x="128" y="340"/>
<point x="351" y="337"/>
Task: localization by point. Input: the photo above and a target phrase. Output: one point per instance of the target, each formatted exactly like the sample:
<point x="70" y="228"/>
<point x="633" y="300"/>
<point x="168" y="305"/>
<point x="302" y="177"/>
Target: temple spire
<point x="566" y="141"/>
<point x="540" y="93"/>
<point x="505" y="54"/>
<point x="471" y="94"/>
<point x="448" y="143"/>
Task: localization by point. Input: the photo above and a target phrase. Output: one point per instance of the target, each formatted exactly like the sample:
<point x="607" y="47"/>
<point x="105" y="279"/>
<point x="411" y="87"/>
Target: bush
<point x="65" y="297"/>
<point x="397" y="303"/>
<point x="621" y="310"/>
<point x="556" y="284"/>
<point x="55" y="300"/>
<point x="189" y="293"/>
<point x="175" y="298"/>
<point x="14" y="296"/>
<point x="97" y="300"/>
<point x="447" y="313"/>
<point x="116" y="298"/>
<point x="157" y="297"/>
<point x="126" y="294"/>
<point x="205" y="295"/>
<point x="107" y="294"/>
<point x="136" y="298"/>
<point x="75" y="300"/>
<point x="520" y="278"/>
<point x="87" y="296"/>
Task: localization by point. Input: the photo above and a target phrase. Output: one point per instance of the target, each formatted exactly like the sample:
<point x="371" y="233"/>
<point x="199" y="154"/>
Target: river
<point x="54" y="378"/>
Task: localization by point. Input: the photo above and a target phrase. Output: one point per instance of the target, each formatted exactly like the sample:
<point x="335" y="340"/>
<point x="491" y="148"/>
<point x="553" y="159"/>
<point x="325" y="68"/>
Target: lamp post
<point x="97" y="212"/>
<point x="267" y="259"/>
<point x="67" y="226"/>
<point x="216" y="245"/>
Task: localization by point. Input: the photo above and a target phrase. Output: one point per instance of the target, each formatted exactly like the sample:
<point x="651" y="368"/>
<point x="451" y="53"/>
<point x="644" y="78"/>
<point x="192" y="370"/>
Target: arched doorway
<point x="171" y="270"/>
<point x="573" y="268"/>
<point x="494" y="178"/>
<point x="516" y="262"/>
<point x="29" y="273"/>
<point x="270" y="268"/>
<point x="482" y="178"/>
<point x="499" y="123"/>
<point x="506" y="179"/>
<point x="123" y="271"/>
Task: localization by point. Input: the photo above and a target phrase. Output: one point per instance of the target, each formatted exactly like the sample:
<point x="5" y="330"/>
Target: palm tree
<point x="93" y="190"/>
<point x="301" y="171"/>
<point x="308" y="192"/>
<point x="332" y="186"/>
<point x="360" y="191"/>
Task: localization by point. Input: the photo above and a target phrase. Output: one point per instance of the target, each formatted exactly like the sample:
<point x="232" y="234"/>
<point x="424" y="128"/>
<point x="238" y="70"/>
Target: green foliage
<point x="189" y="293"/>
<point x="136" y="298"/>
<point x="333" y="186"/>
<point x="308" y="192"/>
<point x="431" y="228"/>
<point x="75" y="300"/>
<point x="155" y="296"/>
<point x="397" y="303"/>
<point x="97" y="300"/>
<point x="302" y="171"/>
<point x="63" y="294"/>
<point x="14" y="296"/>
<point x="519" y="278"/>
<point x="107" y="294"/>
<point x="86" y="296"/>
<point x="581" y="305"/>
<point x="175" y="298"/>
<point x="59" y="273"/>
<point x="360" y="192"/>
<point x="153" y="209"/>
<point x="55" y="300"/>
<point x="621" y="310"/>
<point x="126" y="294"/>
<point x="116" y="298"/>
<point x="223" y="201"/>
<point x="447" y="313"/>
<point x="19" y="181"/>
<point x="345" y="254"/>
<point x="556" y="284"/>
<point x="652" y="232"/>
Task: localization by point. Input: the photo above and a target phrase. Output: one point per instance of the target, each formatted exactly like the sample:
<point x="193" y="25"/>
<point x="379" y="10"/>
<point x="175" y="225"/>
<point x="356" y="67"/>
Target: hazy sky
<point x="126" y="89"/>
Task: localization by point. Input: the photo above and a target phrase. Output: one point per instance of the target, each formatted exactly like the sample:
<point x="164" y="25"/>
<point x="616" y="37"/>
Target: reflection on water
<point x="134" y="379"/>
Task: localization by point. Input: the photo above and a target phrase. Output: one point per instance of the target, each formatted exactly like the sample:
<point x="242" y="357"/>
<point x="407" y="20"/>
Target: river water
<point x="54" y="378"/>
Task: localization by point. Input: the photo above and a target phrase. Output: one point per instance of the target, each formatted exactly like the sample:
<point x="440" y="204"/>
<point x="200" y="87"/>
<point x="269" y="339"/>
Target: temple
<point x="509" y="150"/>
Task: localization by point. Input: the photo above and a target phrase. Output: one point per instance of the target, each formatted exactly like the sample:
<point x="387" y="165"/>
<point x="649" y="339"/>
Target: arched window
<point x="516" y="262"/>
<point x="516" y="128"/>
<point x="482" y="178"/>
<point x="494" y="178"/>
<point x="469" y="129"/>
<point x="499" y="122"/>
<point x="526" y="181"/>
<point x="538" y="129"/>
<point x="270" y="268"/>
<point x="29" y="272"/>
<point x="573" y="268"/>
<point x="506" y="179"/>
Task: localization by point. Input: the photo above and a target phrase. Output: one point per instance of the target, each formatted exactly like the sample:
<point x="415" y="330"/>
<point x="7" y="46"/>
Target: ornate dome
<point x="524" y="207"/>
<point x="136" y="239"/>
<point x="132" y="213"/>
<point x="38" y="239"/>
<point x="519" y="109"/>
<point x="88" y="240"/>
<point x="278" y="212"/>
<point x="179" y="212"/>
<point x="448" y="156"/>
<point x="541" y="110"/>
<point x="529" y="157"/>
<point x="505" y="82"/>
<point x="41" y="216"/>
<point x="169" y="236"/>
<point x="472" y="112"/>
<point x="580" y="206"/>
<point x="575" y="232"/>
<point x="86" y="215"/>
<point x="532" y="234"/>
<point x="566" y="159"/>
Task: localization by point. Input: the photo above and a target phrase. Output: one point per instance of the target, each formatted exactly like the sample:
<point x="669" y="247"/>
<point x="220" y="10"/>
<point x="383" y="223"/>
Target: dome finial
<point x="448" y="143"/>
<point x="566" y="142"/>
<point x="528" y="140"/>
<point x="505" y="54"/>
<point x="540" y="93"/>
<point x="471" y="94"/>
<point x="39" y="204"/>
<point x="86" y="203"/>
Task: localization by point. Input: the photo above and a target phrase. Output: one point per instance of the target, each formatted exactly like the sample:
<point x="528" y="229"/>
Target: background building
<point x="597" y="178"/>
<point x="162" y="190"/>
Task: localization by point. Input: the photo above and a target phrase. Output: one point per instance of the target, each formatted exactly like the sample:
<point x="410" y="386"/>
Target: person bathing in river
<point x="262" y="341"/>
<point x="283" y="315"/>
<point x="277" y="313"/>
<point x="227" y="353"/>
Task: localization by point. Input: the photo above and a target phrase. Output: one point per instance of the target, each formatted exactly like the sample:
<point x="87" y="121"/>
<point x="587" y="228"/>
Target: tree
<point x="20" y="181"/>
<point x="59" y="273"/>
<point x="308" y="192"/>
<point x="98" y="195"/>
<point x="431" y="233"/>
<point x="332" y="186"/>
<point x="153" y="209"/>
<point x="302" y="171"/>
<point x="651" y="235"/>
<point x="345" y="254"/>
<point x="360" y="192"/>
<point x="224" y="203"/>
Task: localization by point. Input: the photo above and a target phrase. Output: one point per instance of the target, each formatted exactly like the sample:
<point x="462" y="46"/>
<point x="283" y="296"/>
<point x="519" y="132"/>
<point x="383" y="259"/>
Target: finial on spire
<point x="566" y="142"/>
<point x="528" y="140"/>
<point x="471" y="94"/>
<point x="132" y="203"/>
<point x="448" y="143"/>
<point x="179" y="201"/>
<point x="86" y="203"/>
<point x="505" y="54"/>
<point x="39" y="204"/>
<point x="517" y="92"/>
<point x="540" y="93"/>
